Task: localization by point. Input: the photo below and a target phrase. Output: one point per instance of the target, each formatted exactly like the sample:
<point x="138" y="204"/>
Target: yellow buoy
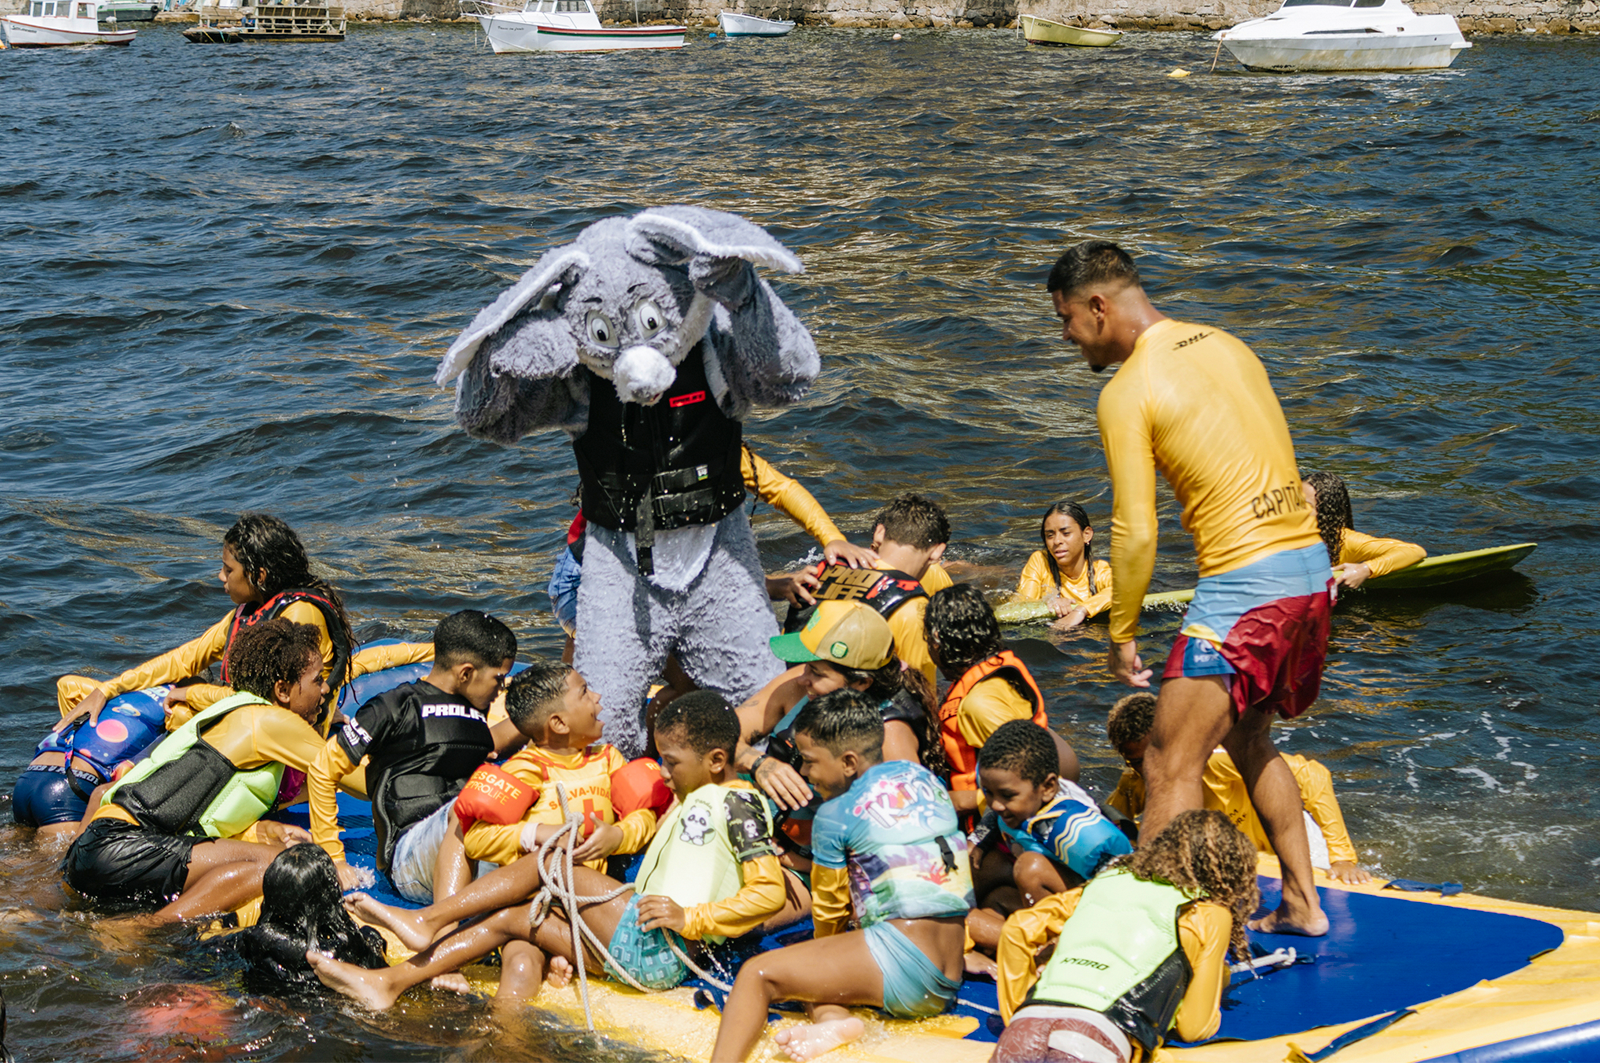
<point x="1179" y="72"/>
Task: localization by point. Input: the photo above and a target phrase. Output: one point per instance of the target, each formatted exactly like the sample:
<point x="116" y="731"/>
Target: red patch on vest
<point x="686" y="400"/>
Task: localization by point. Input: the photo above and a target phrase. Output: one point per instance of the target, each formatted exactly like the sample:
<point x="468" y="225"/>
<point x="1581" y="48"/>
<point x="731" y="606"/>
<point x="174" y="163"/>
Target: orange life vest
<point x="962" y="755"/>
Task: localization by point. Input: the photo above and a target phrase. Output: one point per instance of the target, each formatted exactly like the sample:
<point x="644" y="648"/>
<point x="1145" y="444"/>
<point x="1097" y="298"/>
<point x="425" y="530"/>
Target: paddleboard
<point x="1429" y="572"/>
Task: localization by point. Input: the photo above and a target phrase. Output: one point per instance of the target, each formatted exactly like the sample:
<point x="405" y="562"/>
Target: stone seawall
<point x="1477" y="17"/>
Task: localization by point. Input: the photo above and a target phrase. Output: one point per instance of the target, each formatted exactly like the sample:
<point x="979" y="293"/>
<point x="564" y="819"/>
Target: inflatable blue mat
<point x="1382" y="953"/>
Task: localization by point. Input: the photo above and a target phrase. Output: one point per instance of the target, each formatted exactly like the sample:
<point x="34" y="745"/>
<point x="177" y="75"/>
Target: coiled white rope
<point x="559" y="888"/>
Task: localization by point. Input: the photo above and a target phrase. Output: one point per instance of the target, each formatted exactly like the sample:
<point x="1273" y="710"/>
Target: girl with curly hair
<point x="1065" y="573"/>
<point x="1143" y="955"/>
<point x="1362" y="556"/>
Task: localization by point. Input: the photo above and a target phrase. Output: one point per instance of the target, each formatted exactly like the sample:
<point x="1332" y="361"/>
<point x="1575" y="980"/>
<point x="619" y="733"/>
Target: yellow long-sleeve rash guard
<point x="1383" y="556"/>
<point x="1036" y="584"/>
<point x="250" y="736"/>
<point x="760" y="898"/>
<point x="1204" y="931"/>
<point x="830" y="900"/>
<point x="1195" y="403"/>
<point x="788" y="497"/>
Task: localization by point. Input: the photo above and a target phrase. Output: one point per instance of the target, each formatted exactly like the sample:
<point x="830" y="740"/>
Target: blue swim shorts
<point x="646" y="957"/>
<point x="913" y="988"/>
<point x="563" y="590"/>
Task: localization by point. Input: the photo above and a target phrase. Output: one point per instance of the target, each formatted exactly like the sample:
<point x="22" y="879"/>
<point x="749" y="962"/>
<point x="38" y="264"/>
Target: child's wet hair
<point x="1079" y="516"/>
<point x="272" y="652"/>
<point x="841" y="721"/>
<point x="301" y="910"/>
<point x="1203" y="853"/>
<point x="472" y="637"/>
<point x="1023" y="748"/>
<point x="535" y="694"/>
<point x="1333" y="511"/>
<point x="965" y="628"/>
<point x="1130" y="720"/>
<point x="914" y="521"/>
<point x="707" y="720"/>
<point x="264" y="545"/>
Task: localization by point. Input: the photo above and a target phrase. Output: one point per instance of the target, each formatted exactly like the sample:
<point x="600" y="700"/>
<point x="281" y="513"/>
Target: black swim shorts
<point x="126" y="867"/>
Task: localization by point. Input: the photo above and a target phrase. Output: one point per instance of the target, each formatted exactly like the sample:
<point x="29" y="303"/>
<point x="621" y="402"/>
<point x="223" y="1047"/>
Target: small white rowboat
<point x="736" y="25"/>
<point x="1042" y="31"/>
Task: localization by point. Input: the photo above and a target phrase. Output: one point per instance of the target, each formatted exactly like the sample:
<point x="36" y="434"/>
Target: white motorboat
<point x="51" y="23"/>
<point x="737" y="25"/>
<point x="566" y="26"/>
<point x="1345" y="35"/>
<point x="128" y="10"/>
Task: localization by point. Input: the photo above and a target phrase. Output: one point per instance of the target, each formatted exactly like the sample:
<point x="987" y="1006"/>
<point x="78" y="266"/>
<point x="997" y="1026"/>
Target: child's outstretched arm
<point x="1025" y="933"/>
<point x="1204" y="932"/>
<point x="1316" y="793"/>
<point x="790" y="497"/>
<point x="760" y="896"/>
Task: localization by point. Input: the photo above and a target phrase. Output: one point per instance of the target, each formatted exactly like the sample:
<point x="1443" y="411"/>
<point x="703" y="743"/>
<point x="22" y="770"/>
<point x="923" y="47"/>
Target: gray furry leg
<point x="725" y="618"/>
<point x="624" y="635"/>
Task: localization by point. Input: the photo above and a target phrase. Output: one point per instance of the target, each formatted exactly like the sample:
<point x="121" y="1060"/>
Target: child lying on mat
<point x="1128" y="727"/>
<point x="710" y="876"/>
<point x="1142" y="950"/>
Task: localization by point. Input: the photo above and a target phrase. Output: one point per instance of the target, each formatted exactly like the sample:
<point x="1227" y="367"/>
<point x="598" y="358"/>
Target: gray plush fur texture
<point x="630" y="299"/>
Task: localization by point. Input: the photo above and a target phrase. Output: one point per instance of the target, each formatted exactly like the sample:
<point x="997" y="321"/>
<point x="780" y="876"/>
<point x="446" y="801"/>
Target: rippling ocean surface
<point x="227" y="274"/>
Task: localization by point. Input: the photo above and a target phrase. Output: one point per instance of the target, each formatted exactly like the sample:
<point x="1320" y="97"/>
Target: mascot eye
<point x="650" y="318"/>
<point x="601" y="330"/>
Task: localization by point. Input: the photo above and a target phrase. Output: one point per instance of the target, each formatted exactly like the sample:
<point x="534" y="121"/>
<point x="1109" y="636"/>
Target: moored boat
<point x="1036" y="30"/>
<point x="566" y="26"/>
<point x="54" y="23"/>
<point x="1334" y="35"/>
<point x="128" y="10"/>
<point x="737" y="25"/>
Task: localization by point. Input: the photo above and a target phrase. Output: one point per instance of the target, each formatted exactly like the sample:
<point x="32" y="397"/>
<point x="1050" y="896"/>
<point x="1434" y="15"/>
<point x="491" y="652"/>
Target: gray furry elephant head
<point x="628" y="300"/>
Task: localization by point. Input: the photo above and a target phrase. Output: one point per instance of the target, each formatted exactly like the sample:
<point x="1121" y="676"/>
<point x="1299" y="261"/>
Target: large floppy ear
<point x="540" y="286"/>
<point x="674" y="235"/>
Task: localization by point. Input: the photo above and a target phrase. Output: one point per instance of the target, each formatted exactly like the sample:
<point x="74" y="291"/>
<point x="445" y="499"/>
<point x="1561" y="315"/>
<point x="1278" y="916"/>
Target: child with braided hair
<point x="1362" y="556"/>
<point x="1142" y="950"/>
<point x="1065" y="573"/>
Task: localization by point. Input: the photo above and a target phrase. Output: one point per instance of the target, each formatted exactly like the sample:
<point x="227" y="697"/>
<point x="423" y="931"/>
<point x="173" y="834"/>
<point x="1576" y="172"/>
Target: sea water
<point x="227" y="275"/>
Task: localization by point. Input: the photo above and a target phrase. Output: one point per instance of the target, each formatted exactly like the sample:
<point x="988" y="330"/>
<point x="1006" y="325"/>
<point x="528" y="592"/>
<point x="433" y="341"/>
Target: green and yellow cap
<point x="848" y="634"/>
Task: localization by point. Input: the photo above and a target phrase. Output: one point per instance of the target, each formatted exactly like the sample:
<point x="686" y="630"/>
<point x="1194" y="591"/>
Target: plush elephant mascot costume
<point x="647" y="340"/>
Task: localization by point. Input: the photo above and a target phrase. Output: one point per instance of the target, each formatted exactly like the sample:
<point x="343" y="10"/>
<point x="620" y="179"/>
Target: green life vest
<point x="690" y="859"/>
<point x="1119" y="954"/>
<point x="186" y="787"/>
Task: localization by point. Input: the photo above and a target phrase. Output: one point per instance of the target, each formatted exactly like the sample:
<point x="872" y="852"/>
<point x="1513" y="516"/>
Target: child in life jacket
<point x="1065" y="573"/>
<point x="560" y="715"/>
<point x="182" y="831"/>
<point x="844" y="645"/>
<point x="423" y="740"/>
<point x="1361" y="556"/>
<point x="890" y="857"/>
<point x="1142" y="950"/>
<point x="1128" y="727"/>
<point x="1049" y="828"/>
<point x="989" y="686"/>
<point x="709" y="877"/>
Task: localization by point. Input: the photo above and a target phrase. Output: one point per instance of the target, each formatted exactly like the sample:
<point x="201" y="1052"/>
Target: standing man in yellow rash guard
<point x="1196" y="403"/>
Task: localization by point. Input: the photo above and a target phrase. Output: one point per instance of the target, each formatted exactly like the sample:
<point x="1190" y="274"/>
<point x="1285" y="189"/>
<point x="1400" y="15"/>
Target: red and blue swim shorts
<point x="1264" y="627"/>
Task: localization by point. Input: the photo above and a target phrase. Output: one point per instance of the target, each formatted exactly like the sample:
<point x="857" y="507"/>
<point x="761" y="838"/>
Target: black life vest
<point x="431" y="744"/>
<point x="884" y="589"/>
<point x="670" y="465"/>
<point x="246" y="617"/>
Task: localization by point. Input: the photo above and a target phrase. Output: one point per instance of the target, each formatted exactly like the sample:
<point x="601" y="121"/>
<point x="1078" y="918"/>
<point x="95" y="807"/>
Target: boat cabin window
<point x="1323" y="3"/>
<point x="86" y="10"/>
<point x="1370" y="3"/>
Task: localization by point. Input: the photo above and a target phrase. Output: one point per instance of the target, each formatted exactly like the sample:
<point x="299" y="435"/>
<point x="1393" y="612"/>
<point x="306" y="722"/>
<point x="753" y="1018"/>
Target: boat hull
<point x="1059" y="35"/>
<point x="736" y="25"/>
<point x="1433" y="51"/>
<point x="508" y="34"/>
<point x="22" y="32"/>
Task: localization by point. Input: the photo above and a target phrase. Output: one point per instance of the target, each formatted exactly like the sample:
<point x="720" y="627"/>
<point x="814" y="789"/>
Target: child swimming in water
<point x="1363" y="556"/>
<point x="1128" y="727"/>
<point x="300" y="910"/>
<point x="1065" y="573"/>
<point x="1113" y="991"/>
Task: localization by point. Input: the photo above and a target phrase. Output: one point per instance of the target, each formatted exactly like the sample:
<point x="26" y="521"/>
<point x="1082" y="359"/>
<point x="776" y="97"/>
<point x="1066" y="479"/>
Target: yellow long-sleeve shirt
<point x="830" y="900"/>
<point x="990" y="703"/>
<point x="1383" y="556"/>
<point x="1196" y="403"/>
<point x="761" y="897"/>
<point x="1036" y="584"/>
<point x="788" y="497"/>
<point x="586" y="777"/>
<point x="1225" y="792"/>
<point x="1204" y="930"/>
<point x="250" y="736"/>
<point x="910" y="639"/>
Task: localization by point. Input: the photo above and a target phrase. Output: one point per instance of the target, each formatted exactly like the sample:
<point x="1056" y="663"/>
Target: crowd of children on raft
<point x="924" y="837"/>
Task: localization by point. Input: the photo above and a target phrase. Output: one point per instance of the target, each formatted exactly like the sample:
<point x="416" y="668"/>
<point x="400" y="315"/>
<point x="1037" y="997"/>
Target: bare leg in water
<point x="1194" y="715"/>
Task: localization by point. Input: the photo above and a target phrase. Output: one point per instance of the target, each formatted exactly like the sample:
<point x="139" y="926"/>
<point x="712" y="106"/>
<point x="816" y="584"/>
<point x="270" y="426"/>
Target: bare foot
<point x="1283" y="921"/>
<point x="810" y="1040"/>
<point x="977" y="963"/>
<point x="405" y="924"/>
<point x="559" y="973"/>
<point x="368" y="988"/>
<point x="455" y="982"/>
